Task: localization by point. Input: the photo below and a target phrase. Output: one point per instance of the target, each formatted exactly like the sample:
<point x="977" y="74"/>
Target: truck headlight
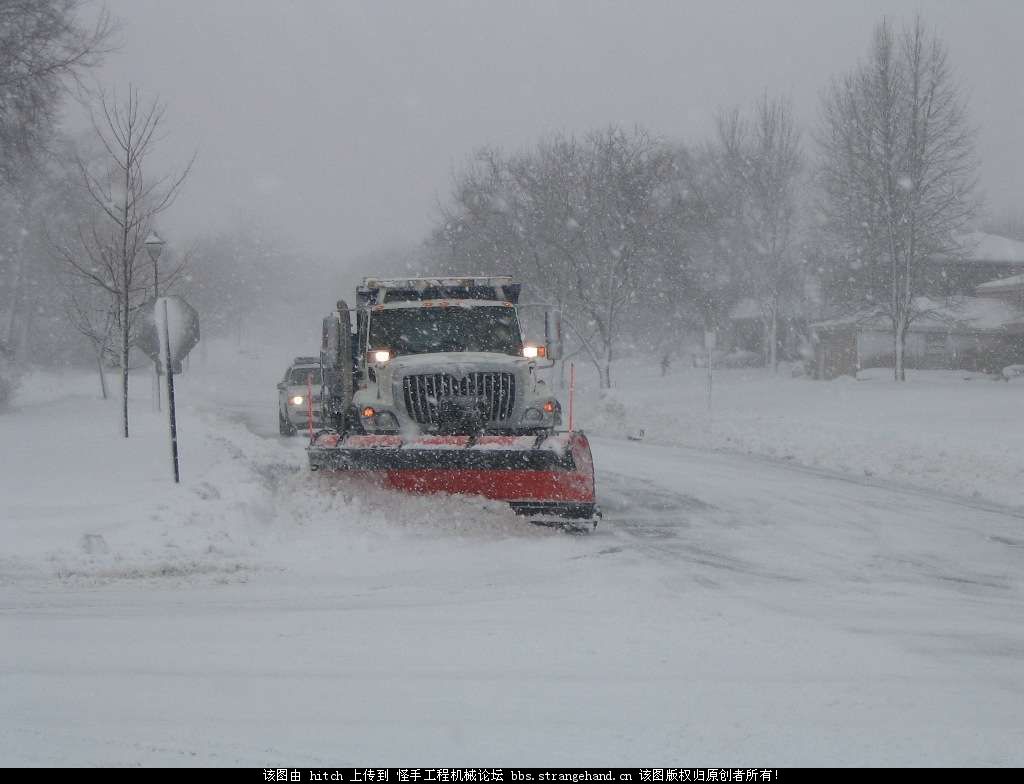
<point x="298" y="400"/>
<point x="386" y="420"/>
<point x="545" y="412"/>
<point x="381" y="355"/>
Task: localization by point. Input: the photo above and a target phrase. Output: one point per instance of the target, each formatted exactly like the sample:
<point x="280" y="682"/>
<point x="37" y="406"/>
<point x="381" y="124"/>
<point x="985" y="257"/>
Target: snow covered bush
<point x="1013" y="371"/>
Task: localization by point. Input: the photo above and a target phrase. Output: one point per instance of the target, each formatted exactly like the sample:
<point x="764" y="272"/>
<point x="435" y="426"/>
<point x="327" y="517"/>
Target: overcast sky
<point x="340" y="122"/>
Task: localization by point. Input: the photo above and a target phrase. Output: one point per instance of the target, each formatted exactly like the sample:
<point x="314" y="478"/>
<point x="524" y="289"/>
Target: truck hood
<point x="457" y="362"/>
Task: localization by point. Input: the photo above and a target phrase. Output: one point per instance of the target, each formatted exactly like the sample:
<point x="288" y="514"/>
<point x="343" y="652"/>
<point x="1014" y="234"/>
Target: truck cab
<point x="441" y="356"/>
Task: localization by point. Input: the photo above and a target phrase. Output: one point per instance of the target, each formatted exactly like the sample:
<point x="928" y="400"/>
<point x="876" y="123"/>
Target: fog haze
<point x="340" y="123"/>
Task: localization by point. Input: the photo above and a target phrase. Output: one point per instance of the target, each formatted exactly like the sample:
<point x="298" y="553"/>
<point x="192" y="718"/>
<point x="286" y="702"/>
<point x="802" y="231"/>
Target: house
<point x="1009" y="290"/>
<point x="971" y="316"/>
<point x="981" y="258"/>
<point x="979" y="333"/>
<point x="746" y="328"/>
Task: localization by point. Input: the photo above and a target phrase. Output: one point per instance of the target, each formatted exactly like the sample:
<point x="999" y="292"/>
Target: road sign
<point x="182" y="329"/>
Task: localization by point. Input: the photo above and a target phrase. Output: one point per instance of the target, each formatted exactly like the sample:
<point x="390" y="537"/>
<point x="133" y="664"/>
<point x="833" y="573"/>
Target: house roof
<point x="979" y="246"/>
<point x="1013" y="283"/>
<point x="958" y="314"/>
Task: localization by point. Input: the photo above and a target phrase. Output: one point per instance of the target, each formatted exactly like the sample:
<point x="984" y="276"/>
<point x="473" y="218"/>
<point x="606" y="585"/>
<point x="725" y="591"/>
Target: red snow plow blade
<point x="539" y="476"/>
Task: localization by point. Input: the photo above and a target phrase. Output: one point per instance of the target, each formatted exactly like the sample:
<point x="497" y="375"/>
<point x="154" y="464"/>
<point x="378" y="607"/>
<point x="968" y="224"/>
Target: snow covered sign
<point x="182" y="328"/>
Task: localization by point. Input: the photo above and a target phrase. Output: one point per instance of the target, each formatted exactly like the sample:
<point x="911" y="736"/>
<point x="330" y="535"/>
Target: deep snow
<point x="731" y="610"/>
<point x="947" y="431"/>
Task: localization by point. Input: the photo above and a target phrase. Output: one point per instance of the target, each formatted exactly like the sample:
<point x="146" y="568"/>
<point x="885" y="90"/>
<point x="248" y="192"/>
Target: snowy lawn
<point x="956" y="432"/>
<point x="729" y="611"/>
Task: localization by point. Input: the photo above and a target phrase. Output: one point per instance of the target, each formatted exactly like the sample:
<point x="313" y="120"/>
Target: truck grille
<point x="424" y="392"/>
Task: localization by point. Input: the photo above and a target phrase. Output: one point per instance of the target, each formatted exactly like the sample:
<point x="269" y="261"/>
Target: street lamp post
<point x="154" y="246"/>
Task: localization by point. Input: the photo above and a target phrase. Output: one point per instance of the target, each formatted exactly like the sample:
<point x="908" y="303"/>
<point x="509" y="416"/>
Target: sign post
<point x="169" y="330"/>
<point x="168" y="364"/>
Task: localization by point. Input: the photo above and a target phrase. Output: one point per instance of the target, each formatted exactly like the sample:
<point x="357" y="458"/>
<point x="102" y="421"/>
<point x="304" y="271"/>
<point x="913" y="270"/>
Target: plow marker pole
<point x="309" y="403"/>
<point x="572" y="390"/>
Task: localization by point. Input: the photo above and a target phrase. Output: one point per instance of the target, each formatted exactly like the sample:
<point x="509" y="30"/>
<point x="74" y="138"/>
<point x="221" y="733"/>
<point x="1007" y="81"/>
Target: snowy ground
<point x="949" y="431"/>
<point x="731" y="610"/>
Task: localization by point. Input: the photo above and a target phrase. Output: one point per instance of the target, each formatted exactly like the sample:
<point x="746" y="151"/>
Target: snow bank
<point x="82" y="504"/>
<point x="952" y="431"/>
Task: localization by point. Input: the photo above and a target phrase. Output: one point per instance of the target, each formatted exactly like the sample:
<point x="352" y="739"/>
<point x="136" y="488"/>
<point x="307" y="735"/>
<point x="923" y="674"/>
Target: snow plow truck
<point x="436" y="391"/>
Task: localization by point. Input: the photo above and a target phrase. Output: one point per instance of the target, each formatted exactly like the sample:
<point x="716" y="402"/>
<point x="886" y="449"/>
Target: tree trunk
<point x="900" y="344"/>
<point x="774" y="337"/>
<point x="125" y="304"/>
<point x="125" y="287"/>
<point x="124" y="368"/>
<point x="15" y="298"/>
<point x="23" y="347"/>
<point x="103" y="376"/>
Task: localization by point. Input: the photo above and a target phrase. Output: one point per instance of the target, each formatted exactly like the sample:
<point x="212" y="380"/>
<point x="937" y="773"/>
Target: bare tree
<point x="109" y="252"/>
<point x="42" y="44"/>
<point x="705" y="252"/>
<point x="762" y="161"/>
<point x="93" y="313"/>
<point x="577" y="220"/>
<point x="898" y="170"/>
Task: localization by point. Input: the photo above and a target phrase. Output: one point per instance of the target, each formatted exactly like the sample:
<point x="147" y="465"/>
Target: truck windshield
<point x="298" y="376"/>
<point x="490" y="328"/>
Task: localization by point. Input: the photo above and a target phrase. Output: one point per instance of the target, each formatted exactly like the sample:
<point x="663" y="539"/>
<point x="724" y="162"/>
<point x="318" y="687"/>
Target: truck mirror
<point x="553" y="333"/>
<point x="344" y="352"/>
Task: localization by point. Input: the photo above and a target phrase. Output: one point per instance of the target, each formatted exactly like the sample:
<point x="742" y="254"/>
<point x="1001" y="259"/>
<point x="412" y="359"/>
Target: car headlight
<point x="297" y="400"/>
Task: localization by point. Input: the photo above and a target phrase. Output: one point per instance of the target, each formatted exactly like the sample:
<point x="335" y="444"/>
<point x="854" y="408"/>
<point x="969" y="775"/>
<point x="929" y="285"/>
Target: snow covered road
<point x="730" y="611"/>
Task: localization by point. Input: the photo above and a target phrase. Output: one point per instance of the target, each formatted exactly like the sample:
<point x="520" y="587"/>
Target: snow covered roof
<point x="981" y="246"/>
<point x="971" y="314"/>
<point x="1012" y="283"/>
<point x="978" y="312"/>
